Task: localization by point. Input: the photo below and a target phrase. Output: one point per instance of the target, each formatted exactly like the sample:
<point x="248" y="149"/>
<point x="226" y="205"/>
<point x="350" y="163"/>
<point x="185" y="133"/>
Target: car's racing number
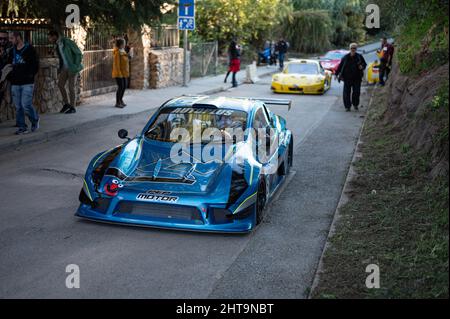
<point x="157" y="196"/>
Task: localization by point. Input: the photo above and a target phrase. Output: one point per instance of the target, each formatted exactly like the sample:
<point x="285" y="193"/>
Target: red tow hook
<point x="111" y="189"/>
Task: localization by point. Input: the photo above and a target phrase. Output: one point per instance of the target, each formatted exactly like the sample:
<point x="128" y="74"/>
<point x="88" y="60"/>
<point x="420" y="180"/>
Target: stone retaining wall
<point x="140" y="43"/>
<point x="46" y="98"/>
<point x="166" y="67"/>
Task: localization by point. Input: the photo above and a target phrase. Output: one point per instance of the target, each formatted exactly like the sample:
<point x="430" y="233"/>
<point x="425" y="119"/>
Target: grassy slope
<point x="397" y="219"/>
<point x="397" y="215"/>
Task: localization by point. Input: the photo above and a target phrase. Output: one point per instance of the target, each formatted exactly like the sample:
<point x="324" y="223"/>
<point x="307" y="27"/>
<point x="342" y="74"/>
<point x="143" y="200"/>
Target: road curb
<point x="342" y="201"/>
<point x="213" y="91"/>
<point x="43" y="137"/>
<point x="269" y="72"/>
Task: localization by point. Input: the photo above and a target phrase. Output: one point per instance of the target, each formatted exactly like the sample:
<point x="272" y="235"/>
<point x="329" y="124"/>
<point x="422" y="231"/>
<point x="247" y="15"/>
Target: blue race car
<point x="201" y="163"/>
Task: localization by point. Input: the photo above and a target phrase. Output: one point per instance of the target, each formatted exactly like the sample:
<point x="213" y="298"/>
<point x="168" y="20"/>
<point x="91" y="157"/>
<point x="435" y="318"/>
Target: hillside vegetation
<point x="397" y="215"/>
<point x="309" y="25"/>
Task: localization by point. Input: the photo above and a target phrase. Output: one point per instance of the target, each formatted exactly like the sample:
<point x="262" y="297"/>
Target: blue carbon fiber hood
<point x="145" y="164"/>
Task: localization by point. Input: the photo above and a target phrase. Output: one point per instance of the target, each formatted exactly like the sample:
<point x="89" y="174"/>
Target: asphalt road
<point x="39" y="235"/>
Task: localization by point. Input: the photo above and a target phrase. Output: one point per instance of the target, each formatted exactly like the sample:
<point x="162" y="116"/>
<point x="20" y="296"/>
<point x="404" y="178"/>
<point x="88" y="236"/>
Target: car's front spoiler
<point x="298" y="89"/>
<point x="237" y="226"/>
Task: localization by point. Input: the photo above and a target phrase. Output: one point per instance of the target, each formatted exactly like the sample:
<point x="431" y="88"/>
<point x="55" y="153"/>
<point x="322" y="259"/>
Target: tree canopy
<point x="249" y="20"/>
<point x="310" y="25"/>
<point x="309" y="31"/>
<point x="119" y="14"/>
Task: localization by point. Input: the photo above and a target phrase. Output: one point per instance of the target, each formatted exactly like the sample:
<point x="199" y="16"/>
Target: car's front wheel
<point x="260" y="202"/>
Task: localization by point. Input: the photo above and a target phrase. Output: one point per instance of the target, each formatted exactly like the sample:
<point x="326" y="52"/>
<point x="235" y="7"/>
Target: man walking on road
<point x="70" y="65"/>
<point x="351" y="71"/>
<point x="386" y="53"/>
<point x="282" y="47"/>
<point x="25" y="65"/>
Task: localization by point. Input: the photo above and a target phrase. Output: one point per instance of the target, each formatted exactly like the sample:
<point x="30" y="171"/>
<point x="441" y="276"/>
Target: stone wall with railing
<point x="139" y="68"/>
<point x="149" y="68"/>
<point x="155" y="65"/>
<point x="46" y="97"/>
<point x="161" y="68"/>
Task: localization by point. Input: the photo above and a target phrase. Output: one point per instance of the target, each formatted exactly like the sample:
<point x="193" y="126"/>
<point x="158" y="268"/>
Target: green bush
<point x="250" y="21"/>
<point x="420" y="28"/>
<point x="423" y="44"/>
<point x="309" y="31"/>
<point x="440" y="101"/>
<point x="347" y="18"/>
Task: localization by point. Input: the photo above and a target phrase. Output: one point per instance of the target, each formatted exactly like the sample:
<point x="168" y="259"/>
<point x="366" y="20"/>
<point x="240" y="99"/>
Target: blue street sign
<point x="186" y="23"/>
<point x="186" y="8"/>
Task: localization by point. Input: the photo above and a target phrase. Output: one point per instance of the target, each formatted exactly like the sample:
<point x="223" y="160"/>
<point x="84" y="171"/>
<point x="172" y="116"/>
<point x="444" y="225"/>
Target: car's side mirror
<point x="123" y="134"/>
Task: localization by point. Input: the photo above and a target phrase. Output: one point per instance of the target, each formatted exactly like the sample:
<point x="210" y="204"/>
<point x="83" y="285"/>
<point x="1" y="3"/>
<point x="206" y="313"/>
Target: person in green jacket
<point x="70" y="58"/>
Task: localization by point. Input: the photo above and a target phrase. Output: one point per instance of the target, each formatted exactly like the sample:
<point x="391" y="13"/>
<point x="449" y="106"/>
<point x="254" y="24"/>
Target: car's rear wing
<point x="269" y="101"/>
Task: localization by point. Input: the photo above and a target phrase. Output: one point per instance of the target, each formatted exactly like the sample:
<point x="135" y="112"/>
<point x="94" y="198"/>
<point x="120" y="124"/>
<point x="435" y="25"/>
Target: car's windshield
<point x="334" y="55"/>
<point x="170" y="122"/>
<point x="303" y="68"/>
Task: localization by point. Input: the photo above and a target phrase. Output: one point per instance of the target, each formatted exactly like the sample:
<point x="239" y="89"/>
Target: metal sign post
<point x="185" y="49"/>
<point x="186" y="21"/>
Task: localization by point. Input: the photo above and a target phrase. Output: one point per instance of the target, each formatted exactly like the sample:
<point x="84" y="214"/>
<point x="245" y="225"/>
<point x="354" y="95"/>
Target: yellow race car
<point x="302" y="77"/>
<point x="373" y="72"/>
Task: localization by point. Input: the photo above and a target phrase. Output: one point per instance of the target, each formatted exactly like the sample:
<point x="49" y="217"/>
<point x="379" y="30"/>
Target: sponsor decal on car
<point x="157" y="196"/>
<point x="184" y="110"/>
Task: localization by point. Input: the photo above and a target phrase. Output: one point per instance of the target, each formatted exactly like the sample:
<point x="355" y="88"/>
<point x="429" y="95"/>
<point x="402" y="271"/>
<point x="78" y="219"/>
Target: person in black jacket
<point x="25" y="63"/>
<point x="351" y="71"/>
<point x="281" y="47"/>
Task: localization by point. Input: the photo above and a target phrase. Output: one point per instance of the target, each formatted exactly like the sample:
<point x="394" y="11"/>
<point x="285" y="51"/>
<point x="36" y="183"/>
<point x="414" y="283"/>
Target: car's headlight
<point x="275" y="78"/>
<point x="319" y="80"/>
